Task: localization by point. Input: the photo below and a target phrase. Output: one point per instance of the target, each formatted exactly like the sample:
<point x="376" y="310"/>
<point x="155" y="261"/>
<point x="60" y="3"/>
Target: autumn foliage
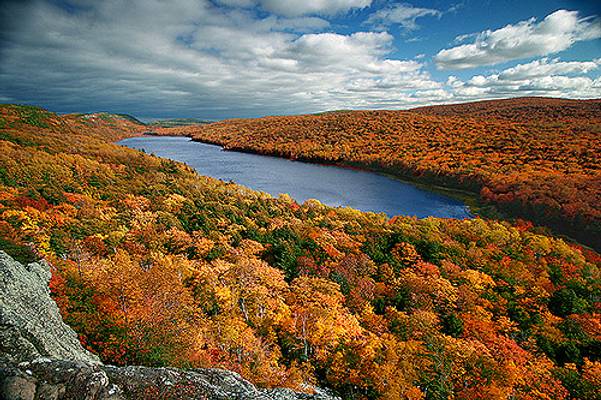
<point x="156" y="265"/>
<point x="534" y="158"/>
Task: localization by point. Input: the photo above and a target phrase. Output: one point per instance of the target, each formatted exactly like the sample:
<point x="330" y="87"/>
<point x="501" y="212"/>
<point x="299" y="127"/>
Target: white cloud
<point x="546" y="67"/>
<point x="335" y="51"/>
<point x="191" y="58"/>
<point x="557" y="32"/>
<point x="237" y="3"/>
<point x="293" y="8"/>
<point x="296" y="8"/>
<point x="538" y="78"/>
<point x="404" y="15"/>
<point x="298" y="24"/>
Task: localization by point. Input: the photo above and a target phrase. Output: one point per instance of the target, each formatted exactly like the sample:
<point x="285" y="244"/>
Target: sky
<point x="216" y="59"/>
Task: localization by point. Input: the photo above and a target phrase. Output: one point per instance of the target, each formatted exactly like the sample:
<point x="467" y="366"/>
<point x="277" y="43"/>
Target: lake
<point x="331" y="185"/>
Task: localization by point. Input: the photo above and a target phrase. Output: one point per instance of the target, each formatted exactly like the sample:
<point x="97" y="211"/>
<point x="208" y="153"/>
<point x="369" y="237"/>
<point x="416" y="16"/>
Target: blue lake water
<point x="334" y="186"/>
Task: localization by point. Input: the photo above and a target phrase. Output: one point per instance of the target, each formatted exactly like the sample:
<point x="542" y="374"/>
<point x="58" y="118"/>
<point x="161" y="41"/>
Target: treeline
<point x="533" y="158"/>
<point x="155" y="265"/>
<point x="529" y="110"/>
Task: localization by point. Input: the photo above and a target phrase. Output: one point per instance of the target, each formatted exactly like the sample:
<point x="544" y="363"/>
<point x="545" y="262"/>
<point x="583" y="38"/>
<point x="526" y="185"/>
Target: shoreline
<point x="470" y="198"/>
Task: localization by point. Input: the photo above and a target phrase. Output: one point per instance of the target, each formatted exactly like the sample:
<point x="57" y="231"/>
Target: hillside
<point x="533" y="158"/>
<point x="533" y="110"/>
<point x="175" y="122"/>
<point x="155" y="265"/>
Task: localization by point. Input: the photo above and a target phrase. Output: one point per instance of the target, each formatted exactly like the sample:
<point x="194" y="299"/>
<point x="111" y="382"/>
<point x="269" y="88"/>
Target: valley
<point x="533" y="158"/>
<point x="153" y="264"/>
<point x="331" y="185"/>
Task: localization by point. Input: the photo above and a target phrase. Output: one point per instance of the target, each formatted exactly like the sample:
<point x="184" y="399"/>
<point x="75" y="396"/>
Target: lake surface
<point x="334" y="186"/>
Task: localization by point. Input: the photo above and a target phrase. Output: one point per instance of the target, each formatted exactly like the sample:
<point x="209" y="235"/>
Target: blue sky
<point x="245" y="58"/>
<point x="434" y="33"/>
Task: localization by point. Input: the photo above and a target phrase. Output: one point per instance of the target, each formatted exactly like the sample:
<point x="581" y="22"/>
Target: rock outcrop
<point x="30" y="323"/>
<point x="42" y="359"/>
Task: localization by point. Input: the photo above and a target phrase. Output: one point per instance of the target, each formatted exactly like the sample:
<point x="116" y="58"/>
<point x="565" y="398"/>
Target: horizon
<point x="149" y="120"/>
<point x="250" y="58"/>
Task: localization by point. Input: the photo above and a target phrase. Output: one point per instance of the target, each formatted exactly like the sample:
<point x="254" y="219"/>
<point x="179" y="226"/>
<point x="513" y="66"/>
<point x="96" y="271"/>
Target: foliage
<point x="156" y="265"/>
<point x="533" y="158"/>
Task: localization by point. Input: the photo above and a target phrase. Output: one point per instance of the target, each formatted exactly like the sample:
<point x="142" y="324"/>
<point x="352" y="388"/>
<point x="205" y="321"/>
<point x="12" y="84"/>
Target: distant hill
<point x="163" y="123"/>
<point x="131" y="118"/>
<point x="108" y="117"/>
<point x="522" y="109"/>
<point x="536" y="158"/>
<point x="171" y="123"/>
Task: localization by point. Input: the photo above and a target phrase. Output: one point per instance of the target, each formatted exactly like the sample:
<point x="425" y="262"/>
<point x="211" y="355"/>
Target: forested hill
<point x="18" y="121"/>
<point x="177" y="122"/>
<point x="155" y="265"/>
<point x="531" y="110"/>
<point x="534" y="158"/>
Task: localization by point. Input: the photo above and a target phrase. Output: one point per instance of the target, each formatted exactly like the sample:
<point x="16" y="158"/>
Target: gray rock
<point x="42" y="359"/>
<point x="18" y="388"/>
<point x="30" y="323"/>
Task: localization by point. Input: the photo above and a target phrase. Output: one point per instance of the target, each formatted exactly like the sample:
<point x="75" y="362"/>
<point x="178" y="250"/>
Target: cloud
<point x="151" y="58"/>
<point x="296" y="8"/>
<point x="299" y="24"/>
<point x="542" y="77"/>
<point x="293" y="8"/>
<point x="546" y="67"/>
<point x="237" y="3"/>
<point x="191" y="58"/>
<point x="329" y="51"/>
<point x="404" y="15"/>
<point x="557" y="32"/>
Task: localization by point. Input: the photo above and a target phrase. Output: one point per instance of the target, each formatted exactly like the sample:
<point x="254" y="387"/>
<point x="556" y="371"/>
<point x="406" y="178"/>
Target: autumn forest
<point x="154" y="264"/>
<point x="534" y="158"/>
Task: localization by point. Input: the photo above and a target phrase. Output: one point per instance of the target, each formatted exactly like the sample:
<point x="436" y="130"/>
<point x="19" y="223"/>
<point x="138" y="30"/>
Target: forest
<point x="154" y="264"/>
<point x="532" y="158"/>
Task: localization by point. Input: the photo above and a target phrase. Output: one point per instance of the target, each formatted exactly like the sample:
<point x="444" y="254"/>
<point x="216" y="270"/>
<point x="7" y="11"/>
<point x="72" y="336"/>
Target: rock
<point x="50" y="392"/>
<point x="42" y="359"/>
<point x="30" y="323"/>
<point x="72" y="380"/>
<point x="18" y="388"/>
<point x="61" y="379"/>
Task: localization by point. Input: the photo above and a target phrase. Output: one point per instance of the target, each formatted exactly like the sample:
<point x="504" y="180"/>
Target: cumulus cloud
<point x="291" y="8"/>
<point x="404" y="15"/>
<point x="557" y="32"/>
<point x="189" y="57"/>
<point x="546" y="67"/>
<point x="194" y="58"/>
<point x="295" y="8"/>
<point x="542" y="77"/>
<point x="327" y="51"/>
<point x="237" y="3"/>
